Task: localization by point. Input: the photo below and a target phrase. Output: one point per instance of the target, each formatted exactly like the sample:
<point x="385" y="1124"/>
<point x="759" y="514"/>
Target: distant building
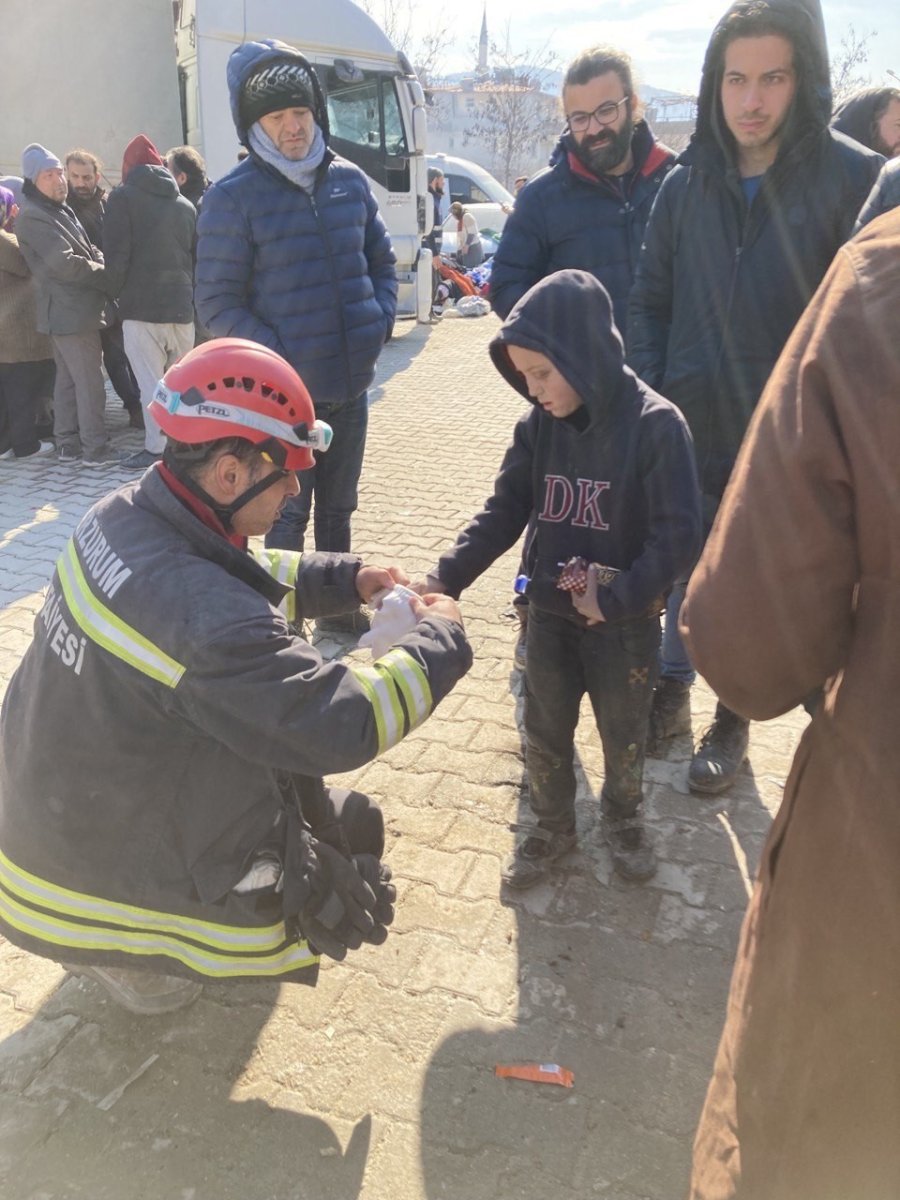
<point x="500" y="118"/>
<point x="485" y="122"/>
<point x="672" y="118"/>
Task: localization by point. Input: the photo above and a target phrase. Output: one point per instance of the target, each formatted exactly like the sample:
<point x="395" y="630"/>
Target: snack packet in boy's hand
<point x="573" y="577"/>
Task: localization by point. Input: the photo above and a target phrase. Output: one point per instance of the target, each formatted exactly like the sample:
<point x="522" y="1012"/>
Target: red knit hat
<point x="140" y="151"/>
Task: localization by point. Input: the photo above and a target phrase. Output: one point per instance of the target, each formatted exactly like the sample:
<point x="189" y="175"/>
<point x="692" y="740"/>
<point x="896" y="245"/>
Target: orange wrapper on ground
<point x="536" y="1073"/>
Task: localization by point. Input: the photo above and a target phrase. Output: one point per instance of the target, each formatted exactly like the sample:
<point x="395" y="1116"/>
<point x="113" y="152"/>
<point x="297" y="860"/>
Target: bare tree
<point x="847" y="65"/>
<point x="398" y="20"/>
<point x="514" y="114"/>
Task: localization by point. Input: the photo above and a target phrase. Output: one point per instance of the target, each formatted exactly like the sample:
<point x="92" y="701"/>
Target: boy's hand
<point x="586" y="603"/>
<point x="372" y="580"/>
<point x="430" y="585"/>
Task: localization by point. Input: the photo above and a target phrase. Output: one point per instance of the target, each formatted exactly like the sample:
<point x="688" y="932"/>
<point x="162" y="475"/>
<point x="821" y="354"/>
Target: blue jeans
<point x="333" y="482"/>
<point x="673" y="657"/>
<point x="616" y="665"/>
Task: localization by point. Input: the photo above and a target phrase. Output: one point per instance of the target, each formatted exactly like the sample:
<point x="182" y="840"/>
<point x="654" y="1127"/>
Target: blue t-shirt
<point x="751" y="186"/>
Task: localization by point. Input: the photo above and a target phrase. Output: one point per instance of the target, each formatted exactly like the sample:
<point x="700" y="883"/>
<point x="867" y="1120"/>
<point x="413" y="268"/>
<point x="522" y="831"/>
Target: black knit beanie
<point x="277" y="85"/>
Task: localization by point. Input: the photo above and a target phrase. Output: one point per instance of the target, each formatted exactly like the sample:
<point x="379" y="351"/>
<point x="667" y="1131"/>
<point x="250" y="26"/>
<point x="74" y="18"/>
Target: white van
<point x="485" y="197"/>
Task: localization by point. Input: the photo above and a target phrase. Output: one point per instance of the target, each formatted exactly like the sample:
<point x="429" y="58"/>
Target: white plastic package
<point x="392" y="618"/>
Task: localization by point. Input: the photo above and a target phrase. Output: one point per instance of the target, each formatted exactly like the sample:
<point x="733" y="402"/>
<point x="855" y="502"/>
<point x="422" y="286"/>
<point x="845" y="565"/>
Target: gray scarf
<point x="303" y="172"/>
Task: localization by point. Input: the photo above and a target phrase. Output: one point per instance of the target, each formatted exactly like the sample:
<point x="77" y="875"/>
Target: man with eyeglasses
<point x="589" y="209"/>
<point x="741" y="235"/>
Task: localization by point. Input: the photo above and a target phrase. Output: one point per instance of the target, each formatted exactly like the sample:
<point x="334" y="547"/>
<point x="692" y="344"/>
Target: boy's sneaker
<point x="533" y="857"/>
<point x="107" y="457"/>
<point x="355" y="623"/>
<point x="670" y="714"/>
<point x="632" y="851"/>
<point x="141" y="460"/>
<point x="65" y="454"/>
<point x="141" y="992"/>
<point x="721" y="753"/>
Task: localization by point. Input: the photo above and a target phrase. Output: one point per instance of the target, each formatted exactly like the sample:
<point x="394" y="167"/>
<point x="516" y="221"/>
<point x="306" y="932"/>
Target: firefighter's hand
<point x="372" y="580"/>
<point x="438" y="605"/>
<point x="587" y="604"/>
<point x="339" y="915"/>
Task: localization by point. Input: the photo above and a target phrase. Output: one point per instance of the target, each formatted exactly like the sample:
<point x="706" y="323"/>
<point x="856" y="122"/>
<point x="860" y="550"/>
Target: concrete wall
<point x="89" y="73"/>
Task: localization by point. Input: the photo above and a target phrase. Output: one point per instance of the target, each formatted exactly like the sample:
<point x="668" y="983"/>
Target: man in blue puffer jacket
<point x="292" y="253"/>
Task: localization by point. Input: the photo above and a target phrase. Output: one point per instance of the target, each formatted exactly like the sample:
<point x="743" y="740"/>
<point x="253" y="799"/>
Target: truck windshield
<point x="367" y="126"/>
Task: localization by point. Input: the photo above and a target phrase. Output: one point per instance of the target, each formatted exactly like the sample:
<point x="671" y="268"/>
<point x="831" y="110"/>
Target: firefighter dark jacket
<point x="148" y="734"/>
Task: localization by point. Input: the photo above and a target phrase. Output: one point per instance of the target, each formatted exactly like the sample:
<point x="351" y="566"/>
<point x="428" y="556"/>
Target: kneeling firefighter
<point x="163" y="818"/>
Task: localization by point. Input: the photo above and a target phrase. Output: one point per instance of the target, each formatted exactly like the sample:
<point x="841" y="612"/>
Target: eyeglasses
<point x="604" y="115"/>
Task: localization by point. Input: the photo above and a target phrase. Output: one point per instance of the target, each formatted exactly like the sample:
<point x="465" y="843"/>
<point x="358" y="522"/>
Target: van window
<point x="466" y="190"/>
<point x="367" y="126"/>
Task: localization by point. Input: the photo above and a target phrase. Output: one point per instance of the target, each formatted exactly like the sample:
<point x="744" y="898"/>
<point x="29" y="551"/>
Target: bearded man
<point x="588" y="210"/>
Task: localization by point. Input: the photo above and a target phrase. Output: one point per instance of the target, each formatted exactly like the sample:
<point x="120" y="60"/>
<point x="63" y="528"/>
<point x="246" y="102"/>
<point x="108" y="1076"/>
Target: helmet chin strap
<point x="225" y="512"/>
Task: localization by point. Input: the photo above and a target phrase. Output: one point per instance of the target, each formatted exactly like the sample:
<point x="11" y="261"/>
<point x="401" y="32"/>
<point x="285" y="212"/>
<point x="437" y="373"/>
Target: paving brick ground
<point x="379" y="1084"/>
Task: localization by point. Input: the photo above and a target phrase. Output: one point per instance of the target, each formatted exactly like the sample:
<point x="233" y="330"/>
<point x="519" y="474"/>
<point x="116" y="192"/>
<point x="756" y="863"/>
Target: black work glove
<point x="378" y="876"/>
<point x="339" y="913"/>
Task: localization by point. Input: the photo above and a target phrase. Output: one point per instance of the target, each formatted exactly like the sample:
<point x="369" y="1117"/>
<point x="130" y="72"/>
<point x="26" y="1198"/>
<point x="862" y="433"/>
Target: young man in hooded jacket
<point x="742" y="232"/>
<point x="293" y="253"/>
<point x="601" y="470"/>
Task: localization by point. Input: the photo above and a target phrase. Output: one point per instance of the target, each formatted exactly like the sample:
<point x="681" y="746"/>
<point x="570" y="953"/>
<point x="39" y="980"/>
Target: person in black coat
<point x="148" y="241"/>
<point x="741" y="234"/>
<point x="87" y="199"/>
<point x="872" y="118"/>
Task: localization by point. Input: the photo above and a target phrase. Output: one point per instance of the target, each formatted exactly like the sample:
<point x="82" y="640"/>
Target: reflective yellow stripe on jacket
<point x="282" y="565"/>
<point x="399" y="693"/>
<point x="102" y="625"/>
<point x="72" y="920"/>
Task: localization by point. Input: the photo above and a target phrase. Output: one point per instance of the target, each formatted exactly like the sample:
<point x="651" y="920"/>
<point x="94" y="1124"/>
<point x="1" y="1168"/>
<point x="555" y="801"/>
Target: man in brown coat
<point x="798" y="589"/>
<point x="26" y="356"/>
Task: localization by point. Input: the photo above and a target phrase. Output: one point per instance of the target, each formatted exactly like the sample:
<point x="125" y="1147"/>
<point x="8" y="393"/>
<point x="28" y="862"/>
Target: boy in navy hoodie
<point x="601" y="469"/>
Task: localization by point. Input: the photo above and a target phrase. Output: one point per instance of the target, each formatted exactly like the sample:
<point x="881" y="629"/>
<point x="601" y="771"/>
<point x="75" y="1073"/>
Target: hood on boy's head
<point x="253" y="59"/>
<point x="800" y="22"/>
<point x="567" y="317"/>
<point x="856" y="116"/>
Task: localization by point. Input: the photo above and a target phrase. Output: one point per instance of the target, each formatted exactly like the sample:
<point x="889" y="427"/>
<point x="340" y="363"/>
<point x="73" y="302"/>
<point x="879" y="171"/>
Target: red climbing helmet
<point x="231" y="387"/>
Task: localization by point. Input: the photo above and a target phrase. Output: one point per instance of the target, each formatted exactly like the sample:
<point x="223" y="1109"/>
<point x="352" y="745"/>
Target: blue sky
<point x="666" y="38"/>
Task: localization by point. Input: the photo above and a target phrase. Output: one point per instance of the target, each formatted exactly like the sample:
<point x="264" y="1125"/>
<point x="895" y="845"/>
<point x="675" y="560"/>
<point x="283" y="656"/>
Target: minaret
<point x="483" y="45"/>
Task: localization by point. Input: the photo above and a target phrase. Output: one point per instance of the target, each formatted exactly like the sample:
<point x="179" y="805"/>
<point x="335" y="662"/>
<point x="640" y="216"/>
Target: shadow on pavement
<point x="196" y="1125"/>
<point x="625" y="985"/>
